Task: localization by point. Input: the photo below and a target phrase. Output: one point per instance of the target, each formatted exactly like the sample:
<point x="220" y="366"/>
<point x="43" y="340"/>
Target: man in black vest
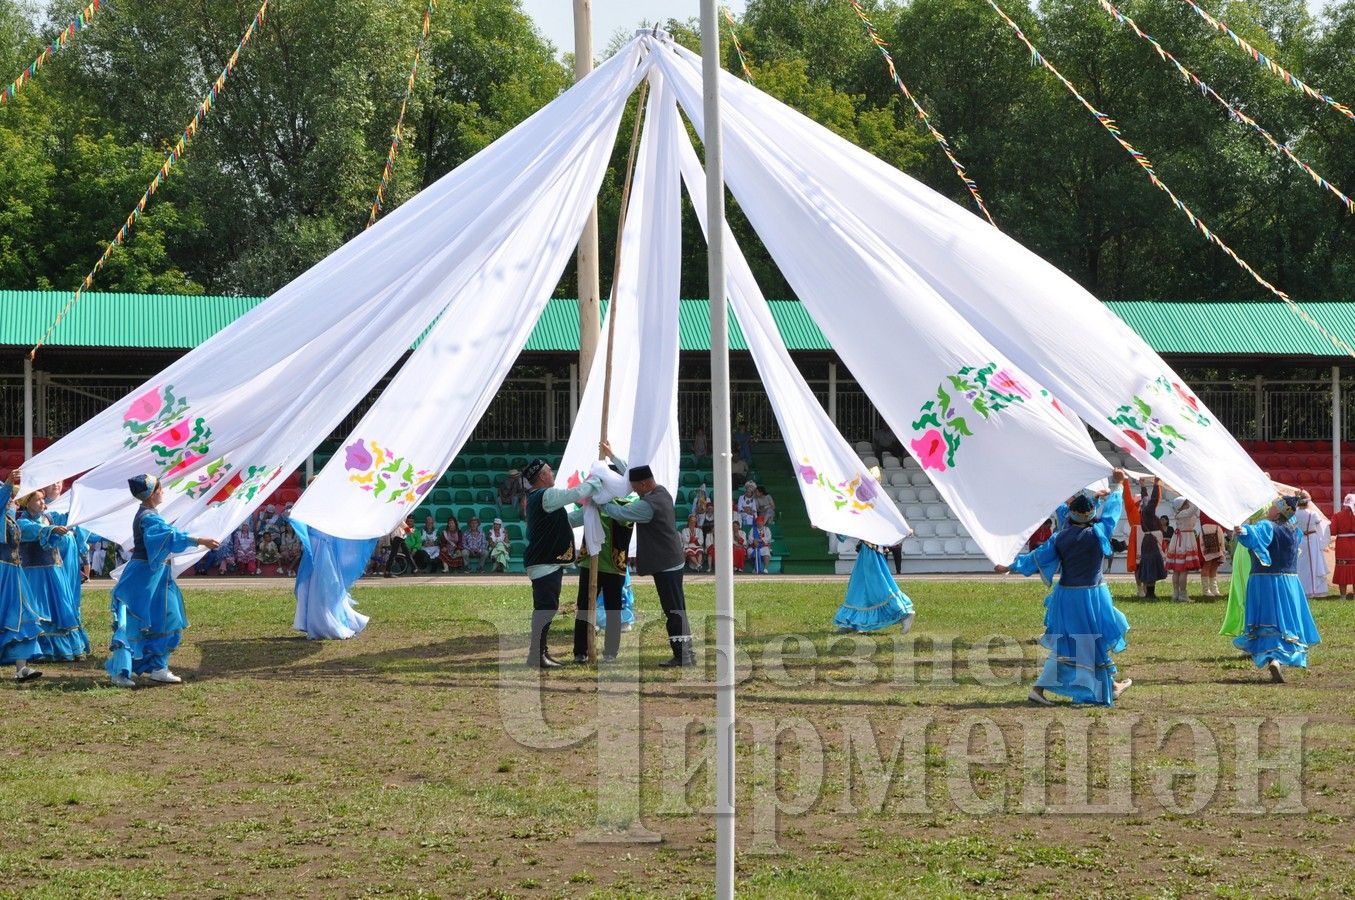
<point x="658" y="551"/>
<point x="550" y="547"/>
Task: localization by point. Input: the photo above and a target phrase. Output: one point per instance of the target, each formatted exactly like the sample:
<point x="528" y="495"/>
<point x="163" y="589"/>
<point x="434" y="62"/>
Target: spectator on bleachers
<point x="738" y="467"/>
<point x="289" y="549"/>
<point x="268" y="552"/>
<point x="474" y="546"/>
<point x="747" y="505"/>
<point x="380" y="555"/>
<point x="694" y="545"/>
<point x="426" y="553"/>
<point x="883" y="439"/>
<point x="244" y="558"/>
<point x="743" y="443"/>
<point x="268" y="522"/>
<point x="760" y="546"/>
<point x="512" y="493"/>
<point x="700" y="446"/>
<point x="1343" y="531"/>
<point x="896" y="551"/>
<point x="400" y="538"/>
<point x="739" y="549"/>
<point x="500" y="546"/>
<point x="766" y="506"/>
<point x="701" y="506"/>
<point x="449" y="544"/>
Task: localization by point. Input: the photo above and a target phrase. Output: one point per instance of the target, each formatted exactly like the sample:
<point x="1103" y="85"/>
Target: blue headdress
<point x="143" y="486"/>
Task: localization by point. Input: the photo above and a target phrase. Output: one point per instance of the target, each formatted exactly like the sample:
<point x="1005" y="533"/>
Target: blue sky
<point x="555" y="18"/>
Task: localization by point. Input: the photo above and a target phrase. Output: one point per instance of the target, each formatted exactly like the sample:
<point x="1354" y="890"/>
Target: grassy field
<point x="415" y="760"/>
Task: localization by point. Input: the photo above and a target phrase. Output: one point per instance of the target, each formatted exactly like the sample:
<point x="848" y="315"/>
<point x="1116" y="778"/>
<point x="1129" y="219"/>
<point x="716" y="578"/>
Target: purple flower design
<point x="865" y="490"/>
<point x="356" y="456"/>
<point x="808" y="474"/>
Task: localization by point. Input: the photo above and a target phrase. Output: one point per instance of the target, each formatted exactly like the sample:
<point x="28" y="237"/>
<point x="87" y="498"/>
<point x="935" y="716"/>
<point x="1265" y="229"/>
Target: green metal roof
<point x="1226" y="328"/>
<point x="1205" y="328"/>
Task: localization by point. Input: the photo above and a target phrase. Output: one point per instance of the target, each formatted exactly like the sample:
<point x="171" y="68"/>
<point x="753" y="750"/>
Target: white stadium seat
<point x="914" y="511"/>
<point x="945" y="528"/>
<point x="928" y="495"/>
<point x="910" y="463"/>
<point x="891" y="461"/>
<point x="961" y="531"/>
<point x="919" y="478"/>
<point x="864" y="448"/>
<point x="954" y="547"/>
<point x="932" y="547"/>
<point x="937" y="511"/>
<point x="912" y="545"/>
<point x="923" y="528"/>
<point x="972" y="548"/>
<point x="906" y="494"/>
<point x="898" y="479"/>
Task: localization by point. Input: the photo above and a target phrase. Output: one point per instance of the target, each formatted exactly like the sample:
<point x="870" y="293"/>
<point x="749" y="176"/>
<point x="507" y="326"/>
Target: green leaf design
<point x="1144" y="409"/>
<point x="929" y="419"/>
<point x="960" y="425"/>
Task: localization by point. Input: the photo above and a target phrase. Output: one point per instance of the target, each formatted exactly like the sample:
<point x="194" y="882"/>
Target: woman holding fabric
<point x="1183" y="553"/>
<point x="148" y="613"/>
<point x="1343" y="531"/>
<point x="874" y="601"/>
<point x="1082" y="626"/>
<point x="1279" y="626"/>
<point x="21" y="621"/>
<point x="45" y="579"/>
<point x="76" y="558"/>
<point x="1152" y="565"/>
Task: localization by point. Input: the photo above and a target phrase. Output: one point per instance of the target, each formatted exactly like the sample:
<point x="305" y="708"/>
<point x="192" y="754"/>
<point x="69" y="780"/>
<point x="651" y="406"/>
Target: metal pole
<point x="550" y="407"/>
<point x="1260" y="408"/>
<point x="1336" y="436"/>
<point x="720" y="450"/>
<point x="28" y="409"/>
<point x="573" y="394"/>
<point x="590" y="290"/>
<point x="832" y="394"/>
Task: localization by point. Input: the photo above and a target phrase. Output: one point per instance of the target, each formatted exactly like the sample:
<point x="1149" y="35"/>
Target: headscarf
<point x="1287" y="505"/>
<point x="1081" y="510"/>
<point x="1349" y="502"/>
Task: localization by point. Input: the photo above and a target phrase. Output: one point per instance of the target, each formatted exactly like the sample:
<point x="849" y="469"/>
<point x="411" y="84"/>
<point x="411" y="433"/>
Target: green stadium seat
<point x="691" y="479"/>
<point x="464" y="514"/>
<point x="460" y="480"/>
<point x="462" y="497"/>
<point x="515" y="532"/>
<point x="484" y="496"/>
<point x="481" y="480"/>
<point x="497" y="463"/>
<point x="487" y="514"/>
<point x="441" y="497"/>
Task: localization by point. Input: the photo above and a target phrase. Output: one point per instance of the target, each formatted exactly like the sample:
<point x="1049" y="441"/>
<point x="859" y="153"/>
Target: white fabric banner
<point x="223" y="423"/>
<point x="407" y="440"/>
<point x="1034" y="314"/>
<point x="972" y="418"/>
<point x="642" y="425"/>
<point x="840" y="496"/>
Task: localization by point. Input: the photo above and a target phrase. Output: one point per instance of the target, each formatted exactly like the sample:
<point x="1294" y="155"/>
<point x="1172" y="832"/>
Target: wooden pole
<point x="611" y="344"/>
<point x="587" y="257"/>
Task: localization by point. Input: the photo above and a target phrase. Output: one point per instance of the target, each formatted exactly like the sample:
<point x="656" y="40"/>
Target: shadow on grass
<point x="249" y="654"/>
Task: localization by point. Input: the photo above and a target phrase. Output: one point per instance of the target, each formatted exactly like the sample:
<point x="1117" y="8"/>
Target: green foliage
<point x="286" y="166"/>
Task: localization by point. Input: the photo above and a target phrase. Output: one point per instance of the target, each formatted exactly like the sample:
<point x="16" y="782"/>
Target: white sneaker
<point x="27" y="673"/>
<point x="122" y="681"/>
<point x="165" y="676"/>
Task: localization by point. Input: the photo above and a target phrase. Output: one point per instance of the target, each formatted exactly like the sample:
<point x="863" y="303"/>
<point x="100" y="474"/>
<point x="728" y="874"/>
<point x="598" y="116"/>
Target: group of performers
<point x="649" y="514"/>
<point x="44" y="564"/>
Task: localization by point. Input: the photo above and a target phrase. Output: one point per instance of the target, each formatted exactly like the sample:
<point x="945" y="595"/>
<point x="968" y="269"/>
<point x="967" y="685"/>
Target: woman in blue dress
<point x="874" y="601"/>
<point x="627" y="607"/>
<point x="21" y="620"/>
<point x="74" y="547"/>
<point x="148" y="613"/>
<point x="1082" y="626"/>
<point x="1279" y="626"/>
<point x="43" y="549"/>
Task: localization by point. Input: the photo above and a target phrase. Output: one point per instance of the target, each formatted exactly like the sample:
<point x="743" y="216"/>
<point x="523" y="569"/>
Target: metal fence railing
<point x="535" y="408"/>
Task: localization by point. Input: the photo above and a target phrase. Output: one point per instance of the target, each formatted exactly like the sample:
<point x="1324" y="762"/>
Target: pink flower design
<point x="1136" y="438"/>
<point x="931" y="450"/>
<point x="188" y="462"/>
<point x="1190" y="400"/>
<point x="808" y="474"/>
<point x="356" y="456"/>
<point x="144" y="408"/>
<point x="1004" y="382"/>
<point x="175" y="435"/>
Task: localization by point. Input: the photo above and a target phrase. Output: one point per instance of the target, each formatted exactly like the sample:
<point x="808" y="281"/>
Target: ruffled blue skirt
<point x="874" y="600"/>
<point x="148" y="617"/>
<point x="64" y="637"/>
<point x="21" y="621"/>
<point x="1280" y="626"/>
<point x="1082" y="629"/>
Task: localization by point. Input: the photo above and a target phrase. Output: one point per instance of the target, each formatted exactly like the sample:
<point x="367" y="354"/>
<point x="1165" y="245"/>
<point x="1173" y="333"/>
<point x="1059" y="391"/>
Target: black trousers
<point x="896" y="551"/>
<point x="610" y="585"/>
<point x="674" y="603"/>
<point x="545" y="604"/>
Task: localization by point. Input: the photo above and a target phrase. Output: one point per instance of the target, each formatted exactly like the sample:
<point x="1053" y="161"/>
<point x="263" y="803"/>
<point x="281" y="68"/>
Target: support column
<point x="1336" y="436"/>
<point x="832" y="395"/>
<point x="550" y="407"/>
<point x="573" y="394"/>
<point x="1260" y="408"/>
<point x="40" y="387"/>
<point x="28" y="409"/>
